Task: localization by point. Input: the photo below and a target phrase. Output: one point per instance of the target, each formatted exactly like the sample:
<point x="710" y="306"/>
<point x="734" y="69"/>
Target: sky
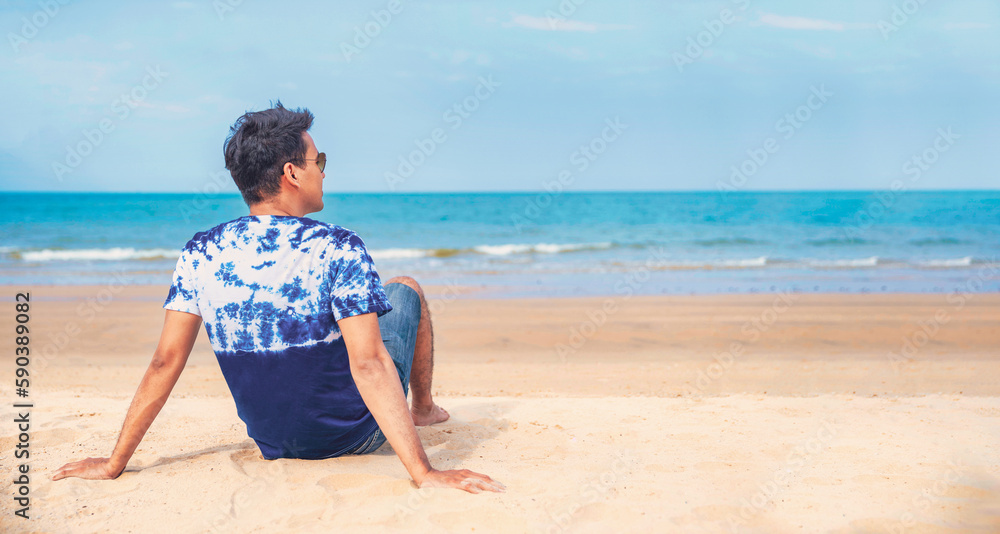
<point x="468" y="95"/>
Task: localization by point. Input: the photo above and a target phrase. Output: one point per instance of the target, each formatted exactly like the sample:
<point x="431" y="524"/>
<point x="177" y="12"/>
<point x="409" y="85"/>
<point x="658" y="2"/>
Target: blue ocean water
<point x="518" y="244"/>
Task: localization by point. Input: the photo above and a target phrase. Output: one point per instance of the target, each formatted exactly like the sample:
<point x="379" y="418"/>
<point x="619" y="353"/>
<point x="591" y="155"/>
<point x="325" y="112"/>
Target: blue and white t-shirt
<point x="270" y="290"/>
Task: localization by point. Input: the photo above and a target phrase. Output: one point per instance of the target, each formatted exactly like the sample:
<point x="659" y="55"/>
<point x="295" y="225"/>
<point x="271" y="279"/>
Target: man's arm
<point x="176" y="341"/>
<point x="375" y="375"/>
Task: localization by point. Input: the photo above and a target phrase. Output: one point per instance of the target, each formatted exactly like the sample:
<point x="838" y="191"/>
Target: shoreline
<point x="150" y="291"/>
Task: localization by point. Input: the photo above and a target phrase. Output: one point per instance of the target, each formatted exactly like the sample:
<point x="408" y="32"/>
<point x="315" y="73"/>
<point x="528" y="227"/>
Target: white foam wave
<point x="543" y="248"/>
<point x="858" y="262"/>
<point x="749" y="262"/>
<point x="398" y="253"/>
<point x="98" y="254"/>
<point x="956" y="262"/>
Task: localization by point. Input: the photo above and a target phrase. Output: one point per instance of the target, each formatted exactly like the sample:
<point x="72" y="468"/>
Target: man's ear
<point x="289" y="173"/>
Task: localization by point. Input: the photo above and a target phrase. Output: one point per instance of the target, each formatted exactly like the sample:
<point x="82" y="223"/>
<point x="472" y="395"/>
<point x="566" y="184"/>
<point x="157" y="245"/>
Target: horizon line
<point x="494" y="192"/>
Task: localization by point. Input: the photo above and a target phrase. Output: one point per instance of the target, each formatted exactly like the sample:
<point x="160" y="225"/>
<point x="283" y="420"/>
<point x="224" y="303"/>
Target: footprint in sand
<point x="364" y="485"/>
<point x="243" y="457"/>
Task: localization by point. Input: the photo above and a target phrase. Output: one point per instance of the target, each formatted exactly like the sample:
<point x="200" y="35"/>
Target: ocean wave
<point x="489" y="250"/>
<point x="872" y="261"/>
<point x="94" y="254"/>
<point x="696" y="265"/>
<point x="749" y="262"/>
<point x="726" y="241"/>
<point x="524" y="253"/>
<point x="397" y="253"/>
<point x="541" y="248"/>
<point x="955" y="262"/>
<point x="838" y="241"/>
<point x="936" y="241"/>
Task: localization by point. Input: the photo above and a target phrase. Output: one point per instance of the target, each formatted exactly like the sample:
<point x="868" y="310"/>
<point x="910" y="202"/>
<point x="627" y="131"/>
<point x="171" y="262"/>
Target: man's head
<point x="272" y="158"/>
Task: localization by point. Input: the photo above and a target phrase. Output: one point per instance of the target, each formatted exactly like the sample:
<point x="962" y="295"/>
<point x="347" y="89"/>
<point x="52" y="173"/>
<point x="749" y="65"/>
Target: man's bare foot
<point x="428" y="416"/>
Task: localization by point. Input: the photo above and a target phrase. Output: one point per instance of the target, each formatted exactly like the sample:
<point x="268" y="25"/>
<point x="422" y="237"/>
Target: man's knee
<point x="407" y="281"/>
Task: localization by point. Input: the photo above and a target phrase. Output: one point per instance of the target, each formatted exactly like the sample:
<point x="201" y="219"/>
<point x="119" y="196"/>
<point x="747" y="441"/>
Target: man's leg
<point x="424" y="411"/>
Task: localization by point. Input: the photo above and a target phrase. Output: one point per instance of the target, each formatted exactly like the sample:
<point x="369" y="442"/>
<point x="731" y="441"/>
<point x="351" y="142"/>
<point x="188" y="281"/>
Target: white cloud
<point x="966" y="26"/>
<point x="800" y="23"/>
<point x="460" y="56"/>
<point x="804" y="23"/>
<point x="560" y="25"/>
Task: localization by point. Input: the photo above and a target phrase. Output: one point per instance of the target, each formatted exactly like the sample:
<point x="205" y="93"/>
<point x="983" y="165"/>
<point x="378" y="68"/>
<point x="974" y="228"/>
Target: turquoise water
<point x="554" y="244"/>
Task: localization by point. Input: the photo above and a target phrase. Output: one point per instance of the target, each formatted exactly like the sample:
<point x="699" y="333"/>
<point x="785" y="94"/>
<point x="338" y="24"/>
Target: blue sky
<point x="895" y="76"/>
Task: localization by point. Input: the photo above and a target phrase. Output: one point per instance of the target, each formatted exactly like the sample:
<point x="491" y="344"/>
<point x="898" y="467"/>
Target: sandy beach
<point x="763" y="413"/>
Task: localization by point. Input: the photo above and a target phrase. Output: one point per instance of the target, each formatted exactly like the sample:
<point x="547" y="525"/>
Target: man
<point x="298" y="319"/>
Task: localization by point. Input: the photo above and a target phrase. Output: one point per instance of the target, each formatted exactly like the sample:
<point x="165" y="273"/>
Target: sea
<point x="541" y="244"/>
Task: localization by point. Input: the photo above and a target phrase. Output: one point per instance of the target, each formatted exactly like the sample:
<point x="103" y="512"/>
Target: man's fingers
<point x="484" y="483"/>
<point x="61" y="473"/>
<point x="492" y="485"/>
<point x="466" y="480"/>
<point x="488" y="483"/>
<point x="91" y="468"/>
<point x="469" y="485"/>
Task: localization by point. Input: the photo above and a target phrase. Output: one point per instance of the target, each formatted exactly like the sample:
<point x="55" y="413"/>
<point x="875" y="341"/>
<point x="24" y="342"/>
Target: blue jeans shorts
<point x="399" y="335"/>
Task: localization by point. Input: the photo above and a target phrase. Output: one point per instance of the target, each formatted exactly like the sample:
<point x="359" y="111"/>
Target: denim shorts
<point x="399" y="335"/>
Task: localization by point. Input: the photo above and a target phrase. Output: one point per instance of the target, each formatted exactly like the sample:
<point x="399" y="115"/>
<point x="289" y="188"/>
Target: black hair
<point x="258" y="146"/>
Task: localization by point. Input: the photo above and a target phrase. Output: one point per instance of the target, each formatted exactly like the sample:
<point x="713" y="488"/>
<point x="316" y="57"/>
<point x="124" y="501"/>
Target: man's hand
<point x="179" y="333"/>
<point x="462" y="479"/>
<point x="377" y="381"/>
<point x="91" y="468"/>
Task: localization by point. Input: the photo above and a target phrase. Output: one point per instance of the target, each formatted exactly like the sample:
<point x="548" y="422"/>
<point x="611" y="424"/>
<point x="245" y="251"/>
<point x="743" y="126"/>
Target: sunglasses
<point x="320" y="161"/>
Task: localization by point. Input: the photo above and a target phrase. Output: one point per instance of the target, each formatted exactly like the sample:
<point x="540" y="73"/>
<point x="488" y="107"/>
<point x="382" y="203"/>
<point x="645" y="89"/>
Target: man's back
<point x="292" y="307"/>
<point x="270" y="290"/>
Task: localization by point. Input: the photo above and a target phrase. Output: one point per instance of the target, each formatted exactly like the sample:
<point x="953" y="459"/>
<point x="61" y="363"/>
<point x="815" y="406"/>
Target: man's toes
<point x="435" y="414"/>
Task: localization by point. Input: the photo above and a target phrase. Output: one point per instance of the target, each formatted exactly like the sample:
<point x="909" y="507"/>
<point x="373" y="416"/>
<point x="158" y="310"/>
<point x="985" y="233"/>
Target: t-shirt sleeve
<point x="183" y="296"/>
<point x="357" y="288"/>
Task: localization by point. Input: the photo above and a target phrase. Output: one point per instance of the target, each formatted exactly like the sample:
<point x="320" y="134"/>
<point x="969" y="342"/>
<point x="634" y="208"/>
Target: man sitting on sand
<point x="317" y="354"/>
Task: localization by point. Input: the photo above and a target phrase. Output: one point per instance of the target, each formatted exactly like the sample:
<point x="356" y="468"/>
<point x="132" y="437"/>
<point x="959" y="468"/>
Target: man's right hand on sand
<point x="91" y="468"/>
<point x="462" y="479"/>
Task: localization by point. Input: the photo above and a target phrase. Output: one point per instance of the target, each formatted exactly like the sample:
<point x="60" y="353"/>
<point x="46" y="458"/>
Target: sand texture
<point x="770" y="414"/>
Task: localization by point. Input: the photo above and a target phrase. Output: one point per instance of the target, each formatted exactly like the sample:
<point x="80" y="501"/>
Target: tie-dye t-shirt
<point x="270" y="290"/>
